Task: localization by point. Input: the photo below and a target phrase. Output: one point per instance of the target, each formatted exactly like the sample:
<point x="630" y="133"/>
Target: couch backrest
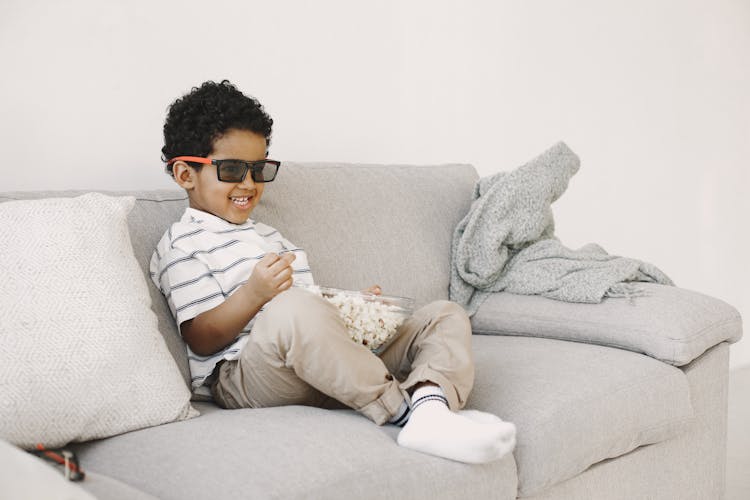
<point x="372" y="224"/>
<point x="360" y="225"/>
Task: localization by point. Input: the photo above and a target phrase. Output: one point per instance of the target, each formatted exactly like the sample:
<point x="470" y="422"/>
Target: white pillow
<point x="80" y="353"/>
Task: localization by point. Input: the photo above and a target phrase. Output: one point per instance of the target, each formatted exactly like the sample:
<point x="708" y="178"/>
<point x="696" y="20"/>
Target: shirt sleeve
<point x="187" y="283"/>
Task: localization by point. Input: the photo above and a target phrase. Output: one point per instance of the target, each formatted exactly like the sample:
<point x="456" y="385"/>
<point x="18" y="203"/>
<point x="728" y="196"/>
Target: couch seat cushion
<point x="576" y="404"/>
<point x="291" y="452"/>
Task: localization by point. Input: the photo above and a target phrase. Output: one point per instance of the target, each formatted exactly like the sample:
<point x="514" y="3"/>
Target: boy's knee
<point x="452" y="308"/>
<point x="447" y="308"/>
<point x="449" y="313"/>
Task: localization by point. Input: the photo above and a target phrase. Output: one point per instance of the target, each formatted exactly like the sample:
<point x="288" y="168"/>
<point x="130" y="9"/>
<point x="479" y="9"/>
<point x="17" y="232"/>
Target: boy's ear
<point x="184" y="175"/>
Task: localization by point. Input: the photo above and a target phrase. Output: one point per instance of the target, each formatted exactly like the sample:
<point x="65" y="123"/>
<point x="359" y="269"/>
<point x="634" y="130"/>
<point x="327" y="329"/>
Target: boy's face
<point x="232" y="201"/>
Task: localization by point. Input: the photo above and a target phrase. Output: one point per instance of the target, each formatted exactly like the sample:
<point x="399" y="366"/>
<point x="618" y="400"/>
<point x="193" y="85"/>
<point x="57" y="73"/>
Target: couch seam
<point x="643" y="333"/>
<point x="509" y="333"/>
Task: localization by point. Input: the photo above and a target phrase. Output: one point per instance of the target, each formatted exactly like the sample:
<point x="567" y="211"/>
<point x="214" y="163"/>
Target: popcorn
<point x="370" y="319"/>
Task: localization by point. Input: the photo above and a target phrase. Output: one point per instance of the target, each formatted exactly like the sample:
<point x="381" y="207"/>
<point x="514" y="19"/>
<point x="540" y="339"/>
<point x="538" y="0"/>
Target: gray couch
<point x="623" y="399"/>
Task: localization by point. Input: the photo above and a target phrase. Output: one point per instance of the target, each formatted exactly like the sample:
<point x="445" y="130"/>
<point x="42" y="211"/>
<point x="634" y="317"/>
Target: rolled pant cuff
<point x="386" y="406"/>
<point x="427" y="374"/>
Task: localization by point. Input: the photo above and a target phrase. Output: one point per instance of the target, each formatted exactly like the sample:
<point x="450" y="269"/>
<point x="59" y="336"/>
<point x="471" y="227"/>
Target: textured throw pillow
<point x="80" y="354"/>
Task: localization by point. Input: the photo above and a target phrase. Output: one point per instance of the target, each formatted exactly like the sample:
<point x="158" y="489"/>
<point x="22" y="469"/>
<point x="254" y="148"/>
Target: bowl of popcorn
<point x="371" y="320"/>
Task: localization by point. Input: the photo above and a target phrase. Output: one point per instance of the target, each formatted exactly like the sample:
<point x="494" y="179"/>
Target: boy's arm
<point x="216" y="328"/>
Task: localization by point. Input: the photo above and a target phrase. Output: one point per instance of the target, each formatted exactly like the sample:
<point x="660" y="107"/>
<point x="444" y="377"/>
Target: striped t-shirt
<point x="201" y="260"/>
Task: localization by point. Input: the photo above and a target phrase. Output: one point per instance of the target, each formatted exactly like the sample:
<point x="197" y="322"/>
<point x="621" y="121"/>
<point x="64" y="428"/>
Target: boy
<point x="254" y="341"/>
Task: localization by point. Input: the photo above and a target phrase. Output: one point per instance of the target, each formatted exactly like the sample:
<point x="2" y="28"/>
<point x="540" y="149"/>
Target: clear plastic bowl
<point x="372" y="320"/>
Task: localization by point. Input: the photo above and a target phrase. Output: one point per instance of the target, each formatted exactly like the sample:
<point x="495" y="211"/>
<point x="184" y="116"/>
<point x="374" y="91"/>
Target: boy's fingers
<point x="284" y="274"/>
<point x="374" y="289"/>
<point x="282" y="262"/>
<point x="280" y="274"/>
<point x="270" y="258"/>
<point x="286" y="285"/>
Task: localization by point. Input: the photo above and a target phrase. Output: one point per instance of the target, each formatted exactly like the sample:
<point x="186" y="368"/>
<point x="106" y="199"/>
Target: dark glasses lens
<point x="236" y="170"/>
<point x="265" y="171"/>
<point x="231" y="171"/>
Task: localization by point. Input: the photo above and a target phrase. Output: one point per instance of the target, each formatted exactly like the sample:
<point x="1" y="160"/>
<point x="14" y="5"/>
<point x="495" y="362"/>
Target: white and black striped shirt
<point x="201" y="260"/>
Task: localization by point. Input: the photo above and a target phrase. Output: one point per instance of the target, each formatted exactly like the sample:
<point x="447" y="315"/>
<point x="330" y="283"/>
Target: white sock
<point x="434" y="429"/>
<point x="480" y="417"/>
<point x="402" y="415"/>
<point x="484" y="417"/>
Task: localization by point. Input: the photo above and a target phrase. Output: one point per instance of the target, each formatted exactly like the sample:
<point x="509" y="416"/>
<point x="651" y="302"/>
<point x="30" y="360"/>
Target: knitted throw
<point x="506" y="242"/>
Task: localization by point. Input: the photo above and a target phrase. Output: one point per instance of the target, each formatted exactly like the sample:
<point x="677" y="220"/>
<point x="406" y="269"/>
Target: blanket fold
<point x="506" y="242"/>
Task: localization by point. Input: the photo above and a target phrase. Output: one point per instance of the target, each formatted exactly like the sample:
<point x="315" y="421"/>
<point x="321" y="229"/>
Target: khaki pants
<point x="299" y="353"/>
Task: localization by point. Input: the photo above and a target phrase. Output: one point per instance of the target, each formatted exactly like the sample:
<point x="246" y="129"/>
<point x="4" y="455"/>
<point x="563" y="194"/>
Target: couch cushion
<point x="576" y="404"/>
<point x="668" y="323"/>
<point x="74" y="315"/>
<point x="291" y="452"/>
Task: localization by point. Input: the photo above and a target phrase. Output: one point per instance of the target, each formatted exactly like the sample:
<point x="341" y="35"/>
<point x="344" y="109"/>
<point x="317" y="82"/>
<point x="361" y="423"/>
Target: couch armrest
<point x="25" y="476"/>
<point x="671" y="324"/>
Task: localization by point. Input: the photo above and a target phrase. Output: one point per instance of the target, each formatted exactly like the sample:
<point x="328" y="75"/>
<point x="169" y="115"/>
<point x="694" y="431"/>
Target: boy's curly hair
<point x="203" y="115"/>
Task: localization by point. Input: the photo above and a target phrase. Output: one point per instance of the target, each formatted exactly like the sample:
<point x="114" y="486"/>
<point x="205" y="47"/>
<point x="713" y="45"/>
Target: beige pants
<point x="299" y="353"/>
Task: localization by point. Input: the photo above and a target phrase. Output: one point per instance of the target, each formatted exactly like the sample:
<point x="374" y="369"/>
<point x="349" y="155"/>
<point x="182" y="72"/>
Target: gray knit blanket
<point x="506" y="242"/>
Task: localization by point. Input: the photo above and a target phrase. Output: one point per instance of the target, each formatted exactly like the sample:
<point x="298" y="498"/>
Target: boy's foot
<point x="472" y="436"/>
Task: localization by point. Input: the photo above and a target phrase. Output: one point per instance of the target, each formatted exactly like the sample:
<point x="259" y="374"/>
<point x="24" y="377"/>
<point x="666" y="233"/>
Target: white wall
<point x="652" y="95"/>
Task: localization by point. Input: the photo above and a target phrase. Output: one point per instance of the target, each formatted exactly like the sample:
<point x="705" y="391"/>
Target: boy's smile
<point x="232" y="201"/>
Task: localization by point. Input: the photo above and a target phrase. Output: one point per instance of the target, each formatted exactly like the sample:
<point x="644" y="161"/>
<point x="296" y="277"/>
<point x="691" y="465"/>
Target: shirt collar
<point x="211" y="221"/>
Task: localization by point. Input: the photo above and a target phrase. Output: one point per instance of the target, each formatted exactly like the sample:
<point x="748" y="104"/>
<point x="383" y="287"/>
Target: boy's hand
<point x="374" y="289"/>
<point x="216" y="328"/>
<point x="271" y="275"/>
